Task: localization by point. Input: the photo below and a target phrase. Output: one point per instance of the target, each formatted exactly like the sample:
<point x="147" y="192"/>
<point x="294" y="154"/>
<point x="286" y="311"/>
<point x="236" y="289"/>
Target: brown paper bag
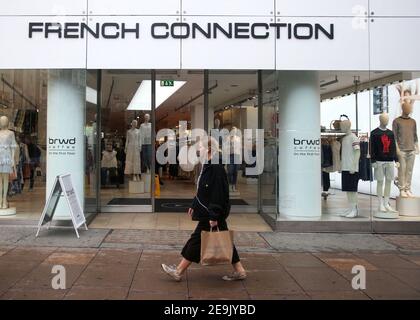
<point x="216" y="247"/>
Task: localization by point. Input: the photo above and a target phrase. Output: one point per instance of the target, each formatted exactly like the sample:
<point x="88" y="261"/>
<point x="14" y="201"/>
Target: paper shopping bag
<point x="216" y="247"/>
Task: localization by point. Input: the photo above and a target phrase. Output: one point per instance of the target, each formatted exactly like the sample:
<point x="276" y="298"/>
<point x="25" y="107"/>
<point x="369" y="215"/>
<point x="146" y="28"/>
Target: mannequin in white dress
<point x="7" y="156"/>
<point x="132" y="151"/>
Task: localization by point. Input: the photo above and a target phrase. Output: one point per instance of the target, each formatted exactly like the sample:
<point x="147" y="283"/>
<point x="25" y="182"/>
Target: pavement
<point x="125" y="264"/>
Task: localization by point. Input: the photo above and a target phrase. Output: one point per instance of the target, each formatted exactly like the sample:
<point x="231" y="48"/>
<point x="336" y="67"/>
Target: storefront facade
<point x="304" y="63"/>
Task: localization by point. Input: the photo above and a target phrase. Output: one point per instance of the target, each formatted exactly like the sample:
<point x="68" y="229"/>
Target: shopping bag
<point x="216" y="247"/>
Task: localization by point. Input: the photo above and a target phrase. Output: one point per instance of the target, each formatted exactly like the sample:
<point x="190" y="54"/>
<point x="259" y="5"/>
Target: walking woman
<point x="210" y="208"/>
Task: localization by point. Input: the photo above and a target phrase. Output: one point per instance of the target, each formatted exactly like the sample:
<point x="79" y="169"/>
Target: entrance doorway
<point x="126" y="126"/>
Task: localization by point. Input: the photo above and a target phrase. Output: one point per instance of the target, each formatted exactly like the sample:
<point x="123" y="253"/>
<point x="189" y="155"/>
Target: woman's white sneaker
<point x="171" y="271"/>
<point x="235" y="276"/>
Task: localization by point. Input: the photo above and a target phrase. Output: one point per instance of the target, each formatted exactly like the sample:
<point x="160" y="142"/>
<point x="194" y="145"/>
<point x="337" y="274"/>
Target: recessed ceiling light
<point x="142" y="99"/>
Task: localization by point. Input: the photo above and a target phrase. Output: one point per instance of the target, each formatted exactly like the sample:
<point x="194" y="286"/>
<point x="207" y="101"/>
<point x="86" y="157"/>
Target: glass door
<point x="125" y="141"/>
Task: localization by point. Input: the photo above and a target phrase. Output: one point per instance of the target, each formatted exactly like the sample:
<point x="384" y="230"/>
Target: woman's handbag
<point x="216" y="247"/>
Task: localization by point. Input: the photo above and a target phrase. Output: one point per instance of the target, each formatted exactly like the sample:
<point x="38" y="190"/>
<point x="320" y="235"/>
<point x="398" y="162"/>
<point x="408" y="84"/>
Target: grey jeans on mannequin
<point x="405" y="171"/>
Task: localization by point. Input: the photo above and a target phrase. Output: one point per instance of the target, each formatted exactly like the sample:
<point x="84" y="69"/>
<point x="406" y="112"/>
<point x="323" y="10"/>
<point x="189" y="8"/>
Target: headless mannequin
<point x="383" y="186"/>
<point x="4" y="176"/>
<point x="146" y="144"/>
<point x="404" y="179"/>
<point x="352" y="211"/>
<point x="134" y="176"/>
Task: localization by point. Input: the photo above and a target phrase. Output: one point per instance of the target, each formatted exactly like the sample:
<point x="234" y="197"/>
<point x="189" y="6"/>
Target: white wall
<point x="359" y="29"/>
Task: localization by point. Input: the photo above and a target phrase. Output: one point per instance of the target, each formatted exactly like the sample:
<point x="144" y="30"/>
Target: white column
<point x="299" y="145"/>
<point x="65" y="131"/>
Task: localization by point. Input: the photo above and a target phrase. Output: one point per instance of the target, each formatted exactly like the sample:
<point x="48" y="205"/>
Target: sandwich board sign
<point x="63" y="186"/>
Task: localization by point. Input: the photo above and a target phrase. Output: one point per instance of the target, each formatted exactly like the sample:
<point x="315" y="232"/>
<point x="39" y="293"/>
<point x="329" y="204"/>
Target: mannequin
<point x="132" y="151"/>
<point x="7" y="156"/>
<point x="235" y="159"/>
<point x="383" y="153"/>
<point x="350" y="155"/>
<point x="146" y="142"/>
<point x="405" y="131"/>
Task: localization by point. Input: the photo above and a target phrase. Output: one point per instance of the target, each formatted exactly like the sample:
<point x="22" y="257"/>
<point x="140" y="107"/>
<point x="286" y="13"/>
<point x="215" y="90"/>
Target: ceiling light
<point x="142" y="99"/>
<point x="91" y="95"/>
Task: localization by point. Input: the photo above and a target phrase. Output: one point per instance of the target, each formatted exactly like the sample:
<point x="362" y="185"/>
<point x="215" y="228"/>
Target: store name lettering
<point x="182" y="30"/>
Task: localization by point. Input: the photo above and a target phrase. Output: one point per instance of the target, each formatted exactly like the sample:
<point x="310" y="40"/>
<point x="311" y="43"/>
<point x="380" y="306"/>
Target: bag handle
<point x="217" y="227"/>
<point x="344" y="116"/>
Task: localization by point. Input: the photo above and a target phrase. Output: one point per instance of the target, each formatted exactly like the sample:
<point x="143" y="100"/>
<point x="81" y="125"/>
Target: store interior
<point x="125" y="167"/>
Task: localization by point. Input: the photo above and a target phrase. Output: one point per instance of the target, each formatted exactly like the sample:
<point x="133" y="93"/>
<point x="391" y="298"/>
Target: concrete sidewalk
<point x="125" y="264"/>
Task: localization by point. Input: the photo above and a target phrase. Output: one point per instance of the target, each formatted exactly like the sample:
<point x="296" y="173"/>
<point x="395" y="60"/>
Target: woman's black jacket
<point x="212" y="199"/>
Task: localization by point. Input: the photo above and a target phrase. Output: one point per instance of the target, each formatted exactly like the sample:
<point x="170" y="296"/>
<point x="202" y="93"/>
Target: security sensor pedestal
<point x="409" y="207"/>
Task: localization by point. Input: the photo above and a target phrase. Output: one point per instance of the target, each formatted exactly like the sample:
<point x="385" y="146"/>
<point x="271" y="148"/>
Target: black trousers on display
<point x="326" y="183"/>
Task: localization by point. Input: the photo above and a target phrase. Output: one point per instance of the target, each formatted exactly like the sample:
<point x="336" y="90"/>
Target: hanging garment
<point x="365" y="166"/>
<point x="326" y="156"/>
<point x="336" y="157"/>
<point x="132" y="161"/>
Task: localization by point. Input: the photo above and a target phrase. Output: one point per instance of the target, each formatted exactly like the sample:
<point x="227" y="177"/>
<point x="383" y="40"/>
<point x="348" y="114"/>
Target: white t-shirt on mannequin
<point x="349" y="144"/>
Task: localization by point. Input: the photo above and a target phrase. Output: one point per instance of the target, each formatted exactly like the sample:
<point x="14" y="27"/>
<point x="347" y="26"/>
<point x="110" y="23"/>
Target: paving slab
<point x="415" y="259"/>
<point x="117" y="257"/>
<point x="106" y="277"/>
<point x="326" y="242"/>
<point x="10" y="235"/>
<point x="71" y="256"/>
<point x="96" y="293"/>
<point x="343" y="263"/>
<point x="298" y="259"/>
<point x="410" y="277"/>
<point x="338" y="295"/>
<point x="279" y="297"/>
<point x="65" y="237"/>
<point x="41" y="277"/>
<point x="33" y="294"/>
<point x="219" y="295"/>
<point x="29" y="254"/>
<point x="210" y="280"/>
<point x="319" y="279"/>
<point x="256" y="262"/>
<point x="274" y="282"/>
<point x="403" y="242"/>
<point x="148" y="295"/>
<point x="156" y="280"/>
<point x="382" y="285"/>
<point x="387" y="260"/>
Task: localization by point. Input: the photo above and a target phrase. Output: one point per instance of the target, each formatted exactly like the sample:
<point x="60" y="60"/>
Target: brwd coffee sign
<point x="163" y="30"/>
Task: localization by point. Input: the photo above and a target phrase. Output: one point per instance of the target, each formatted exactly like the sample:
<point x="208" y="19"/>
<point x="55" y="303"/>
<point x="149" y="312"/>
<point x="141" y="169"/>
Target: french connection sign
<point x="163" y="30"/>
<point x="192" y="42"/>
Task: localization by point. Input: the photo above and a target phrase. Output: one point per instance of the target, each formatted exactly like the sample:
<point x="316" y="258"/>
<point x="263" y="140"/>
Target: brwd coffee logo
<point x="306" y="147"/>
<point x="62" y="146"/>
